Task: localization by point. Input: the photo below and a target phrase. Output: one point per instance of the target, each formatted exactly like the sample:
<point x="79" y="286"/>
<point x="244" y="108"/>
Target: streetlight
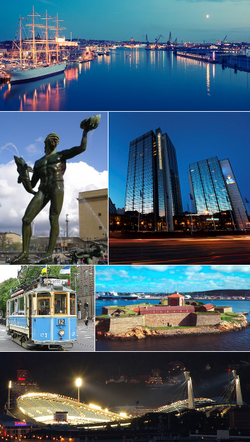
<point x="78" y="384"/>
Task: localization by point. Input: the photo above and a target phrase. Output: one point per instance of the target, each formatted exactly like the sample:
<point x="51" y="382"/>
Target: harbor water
<point x="133" y="80"/>
<point x="229" y="341"/>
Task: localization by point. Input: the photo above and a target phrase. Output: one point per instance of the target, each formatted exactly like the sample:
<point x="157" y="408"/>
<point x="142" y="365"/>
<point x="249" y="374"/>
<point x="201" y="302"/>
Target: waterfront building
<point x="153" y="186"/>
<point x="214" y="190"/>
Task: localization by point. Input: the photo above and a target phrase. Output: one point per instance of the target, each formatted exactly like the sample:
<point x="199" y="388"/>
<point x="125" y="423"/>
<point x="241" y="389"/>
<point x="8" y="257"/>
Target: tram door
<point x="29" y="312"/>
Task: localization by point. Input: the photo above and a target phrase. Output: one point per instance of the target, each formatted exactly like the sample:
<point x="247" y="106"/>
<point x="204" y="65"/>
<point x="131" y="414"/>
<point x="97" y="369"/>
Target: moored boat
<point x="20" y="75"/>
<point x="37" y="57"/>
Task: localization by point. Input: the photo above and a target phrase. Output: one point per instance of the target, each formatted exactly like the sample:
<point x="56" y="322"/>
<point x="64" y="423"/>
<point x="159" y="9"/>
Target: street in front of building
<point x="214" y="250"/>
<point x="85" y="340"/>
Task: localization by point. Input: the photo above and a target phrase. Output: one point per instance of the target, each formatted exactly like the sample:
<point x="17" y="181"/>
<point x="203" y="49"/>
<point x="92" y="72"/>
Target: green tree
<point x="6" y="288"/>
<point x="27" y="275"/>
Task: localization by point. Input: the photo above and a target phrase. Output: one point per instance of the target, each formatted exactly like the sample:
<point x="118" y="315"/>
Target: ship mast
<point x="57" y="37"/>
<point x="46" y="38"/>
<point x="33" y="25"/>
<point x="33" y="37"/>
<point x="20" y="39"/>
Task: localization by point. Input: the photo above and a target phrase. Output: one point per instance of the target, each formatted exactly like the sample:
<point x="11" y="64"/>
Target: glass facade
<point x="239" y="209"/>
<point x="140" y="175"/>
<point x="208" y="187"/>
<point x="153" y="185"/>
<point x="175" y="189"/>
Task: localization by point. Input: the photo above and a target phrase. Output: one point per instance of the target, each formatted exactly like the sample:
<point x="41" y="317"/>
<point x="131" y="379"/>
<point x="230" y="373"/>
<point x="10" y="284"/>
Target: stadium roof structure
<point x="183" y="405"/>
<point x="41" y="407"/>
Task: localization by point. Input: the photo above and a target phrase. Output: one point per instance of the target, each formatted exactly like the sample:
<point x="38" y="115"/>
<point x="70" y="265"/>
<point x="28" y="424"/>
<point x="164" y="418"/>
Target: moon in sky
<point x="207" y="16"/>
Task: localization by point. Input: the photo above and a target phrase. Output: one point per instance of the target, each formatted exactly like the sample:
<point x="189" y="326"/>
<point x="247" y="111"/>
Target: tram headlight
<point x="61" y="332"/>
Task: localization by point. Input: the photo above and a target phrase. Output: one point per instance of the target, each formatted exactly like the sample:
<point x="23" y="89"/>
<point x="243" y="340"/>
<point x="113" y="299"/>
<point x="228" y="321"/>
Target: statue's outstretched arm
<point x="87" y="125"/>
<point x="24" y="178"/>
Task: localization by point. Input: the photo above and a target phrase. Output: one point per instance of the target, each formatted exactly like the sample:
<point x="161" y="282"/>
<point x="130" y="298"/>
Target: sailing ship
<point x="37" y="57"/>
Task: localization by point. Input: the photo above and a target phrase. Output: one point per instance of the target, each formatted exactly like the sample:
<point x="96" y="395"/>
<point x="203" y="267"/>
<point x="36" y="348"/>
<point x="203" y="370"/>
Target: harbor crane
<point x="157" y="40"/>
<point x="223" y="41"/>
<point x="169" y="39"/>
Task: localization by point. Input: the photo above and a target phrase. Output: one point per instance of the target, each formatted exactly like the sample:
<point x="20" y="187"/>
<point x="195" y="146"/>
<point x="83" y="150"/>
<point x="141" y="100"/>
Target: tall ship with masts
<point x="39" y="56"/>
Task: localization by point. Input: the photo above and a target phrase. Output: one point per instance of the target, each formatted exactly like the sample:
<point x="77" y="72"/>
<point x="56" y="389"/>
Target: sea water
<point x="134" y="80"/>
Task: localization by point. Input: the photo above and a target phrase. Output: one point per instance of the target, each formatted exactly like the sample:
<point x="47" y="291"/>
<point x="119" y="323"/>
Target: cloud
<point x="7" y="272"/>
<point x="79" y="177"/>
<point x="33" y="149"/>
<point x="111" y="273"/>
<point x="157" y="268"/>
<point x="231" y="268"/>
<point x="192" y="270"/>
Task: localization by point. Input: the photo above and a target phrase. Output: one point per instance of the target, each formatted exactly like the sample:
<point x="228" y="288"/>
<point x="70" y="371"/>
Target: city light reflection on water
<point x="133" y="80"/>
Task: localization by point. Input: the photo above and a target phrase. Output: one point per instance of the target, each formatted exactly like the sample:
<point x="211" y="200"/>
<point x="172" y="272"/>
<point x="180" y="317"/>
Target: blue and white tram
<point x="43" y="314"/>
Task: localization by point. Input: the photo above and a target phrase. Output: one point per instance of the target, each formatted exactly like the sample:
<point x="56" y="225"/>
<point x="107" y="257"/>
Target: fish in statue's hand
<point x="90" y="123"/>
<point x="23" y="170"/>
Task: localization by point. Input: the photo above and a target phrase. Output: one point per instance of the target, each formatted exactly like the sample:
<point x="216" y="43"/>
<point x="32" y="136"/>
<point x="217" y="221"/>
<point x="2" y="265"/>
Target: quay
<point x="236" y="62"/>
<point x="4" y="77"/>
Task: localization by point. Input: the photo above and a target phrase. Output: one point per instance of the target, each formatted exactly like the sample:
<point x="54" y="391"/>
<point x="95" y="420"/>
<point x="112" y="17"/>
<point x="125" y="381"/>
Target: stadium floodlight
<point x="9" y="388"/>
<point x="78" y="384"/>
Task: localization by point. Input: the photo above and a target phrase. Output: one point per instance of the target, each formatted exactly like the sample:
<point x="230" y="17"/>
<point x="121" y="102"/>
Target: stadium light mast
<point x="78" y="384"/>
<point x="191" y="405"/>
<point x="9" y="388"/>
<point x="239" y="399"/>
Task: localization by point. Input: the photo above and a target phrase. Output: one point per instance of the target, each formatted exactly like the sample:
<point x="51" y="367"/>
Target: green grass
<point x="206" y="313"/>
<point x="230" y="317"/>
<point x="168" y="328"/>
<point x="122" y="315"/>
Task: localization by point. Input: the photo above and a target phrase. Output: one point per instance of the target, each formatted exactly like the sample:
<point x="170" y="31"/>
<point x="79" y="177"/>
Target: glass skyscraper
<point x="153" y="186"/>
<point x="214" y="190"/>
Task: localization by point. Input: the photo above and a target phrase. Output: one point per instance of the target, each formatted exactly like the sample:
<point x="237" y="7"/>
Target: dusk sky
<point x="195" y="135"/>
<point x="171" y="278"/>
<point x="23" y="134"/>
<point x="188" y="20"/>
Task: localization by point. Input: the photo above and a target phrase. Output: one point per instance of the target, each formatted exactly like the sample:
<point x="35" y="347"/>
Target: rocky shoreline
<point x="142" y="333"/>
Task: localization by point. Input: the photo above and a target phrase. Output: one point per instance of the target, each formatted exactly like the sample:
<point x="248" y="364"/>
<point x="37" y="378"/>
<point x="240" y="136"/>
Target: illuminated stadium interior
<point x="183" y="405"/>
<point x="42" y="408"/>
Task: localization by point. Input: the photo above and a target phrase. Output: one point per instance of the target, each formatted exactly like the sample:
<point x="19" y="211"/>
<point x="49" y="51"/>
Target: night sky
<point x="56" y="373"/>
<point x="195" y="135"/>
<point x="188" y="20"/>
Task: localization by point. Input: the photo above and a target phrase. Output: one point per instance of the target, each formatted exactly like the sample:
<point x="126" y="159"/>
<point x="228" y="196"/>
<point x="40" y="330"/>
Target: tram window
<point x="43" y="306"/>
<point x="21" y="306"/>
<point x="72" y="304"/>
<point x="34" y="304"/>
<point x="12" y="310"/>
<point x="60" y="304"/>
